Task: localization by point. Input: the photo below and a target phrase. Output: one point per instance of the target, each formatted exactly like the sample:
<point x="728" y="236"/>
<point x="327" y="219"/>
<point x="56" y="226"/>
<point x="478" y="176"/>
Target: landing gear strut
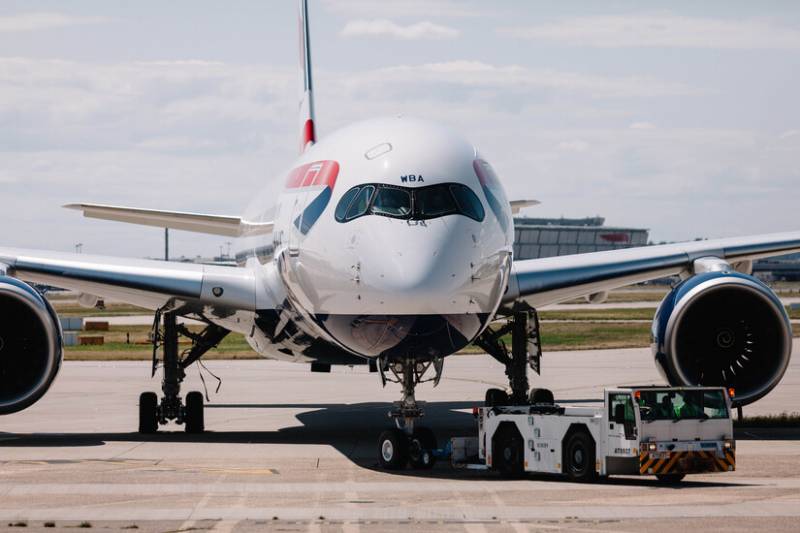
<point x="171" y="407"/>
<point x="526" y="351"/>
<point x="407" y="443"/>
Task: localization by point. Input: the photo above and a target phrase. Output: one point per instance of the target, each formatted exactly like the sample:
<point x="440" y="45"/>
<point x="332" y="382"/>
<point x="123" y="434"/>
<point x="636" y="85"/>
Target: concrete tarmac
<point x="293" y="450"/>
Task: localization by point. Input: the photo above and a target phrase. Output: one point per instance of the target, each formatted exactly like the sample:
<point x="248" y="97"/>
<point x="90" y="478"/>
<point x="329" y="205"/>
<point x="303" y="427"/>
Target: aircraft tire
<point x="194" y="412"/>
<point x="421" y="447"/>
<point x="495" y="397"/>
<point x="541" y="396"/>
<point x="393" y="449"/>
<point x="148" y="413"/>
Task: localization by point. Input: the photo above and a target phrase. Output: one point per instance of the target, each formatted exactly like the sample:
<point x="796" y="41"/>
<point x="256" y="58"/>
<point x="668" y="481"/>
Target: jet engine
<point x="30" y="345"/>
<point x="723" y="329"/>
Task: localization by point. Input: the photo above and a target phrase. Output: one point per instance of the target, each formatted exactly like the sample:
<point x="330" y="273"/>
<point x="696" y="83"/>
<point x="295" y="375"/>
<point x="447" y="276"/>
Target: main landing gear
<point x="526" y="351"/>
<point x="407" y="444"/>
<point x="153" y="413"/>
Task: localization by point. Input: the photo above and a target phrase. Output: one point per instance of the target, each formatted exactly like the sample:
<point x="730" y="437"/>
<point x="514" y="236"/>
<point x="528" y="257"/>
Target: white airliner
<point x="391" y="245"/>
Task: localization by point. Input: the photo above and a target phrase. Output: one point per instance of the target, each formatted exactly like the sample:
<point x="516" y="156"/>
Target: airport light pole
<point x="166" y="244"/>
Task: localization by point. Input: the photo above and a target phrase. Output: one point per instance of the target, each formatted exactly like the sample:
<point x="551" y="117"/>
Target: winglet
<point x="516" y="205"/>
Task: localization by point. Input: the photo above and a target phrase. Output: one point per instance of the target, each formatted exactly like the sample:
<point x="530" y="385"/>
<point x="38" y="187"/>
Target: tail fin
<point x="307" y="127"/>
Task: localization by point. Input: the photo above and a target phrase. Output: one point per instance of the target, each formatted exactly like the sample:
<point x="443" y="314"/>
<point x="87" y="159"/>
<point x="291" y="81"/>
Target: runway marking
<point x="190" y="522"/>
<point x="718" y="481"/>
<point x="391" y="513"/>
<point x="352" y="497"/>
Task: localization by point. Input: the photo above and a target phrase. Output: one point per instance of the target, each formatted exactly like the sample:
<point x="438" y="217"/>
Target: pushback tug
<point x="668" y="432"/>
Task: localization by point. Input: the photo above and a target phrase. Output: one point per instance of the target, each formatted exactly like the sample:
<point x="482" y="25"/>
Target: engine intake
<point x="30" y="345"/>
<point x="723" y="329"/>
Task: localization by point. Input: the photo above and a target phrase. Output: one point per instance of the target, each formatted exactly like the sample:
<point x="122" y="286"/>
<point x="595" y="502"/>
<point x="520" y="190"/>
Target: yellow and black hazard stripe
<point x="686" y="462"/>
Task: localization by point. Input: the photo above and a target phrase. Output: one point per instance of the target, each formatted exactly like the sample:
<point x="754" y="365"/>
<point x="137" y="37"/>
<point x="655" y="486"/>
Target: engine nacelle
<point x="723" y="329"/>
<point x="30" y="345"/>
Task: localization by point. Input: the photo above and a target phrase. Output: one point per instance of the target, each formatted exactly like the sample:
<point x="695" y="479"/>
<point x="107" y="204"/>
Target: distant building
<point x="548" y="237"/>
<point x="781" y="268"/>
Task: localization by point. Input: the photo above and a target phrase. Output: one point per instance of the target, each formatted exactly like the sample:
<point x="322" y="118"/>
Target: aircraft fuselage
<point x="392" y="238"/>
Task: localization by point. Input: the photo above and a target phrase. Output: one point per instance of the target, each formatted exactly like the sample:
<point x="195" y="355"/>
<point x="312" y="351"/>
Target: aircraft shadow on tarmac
<point x="352" y="429"/>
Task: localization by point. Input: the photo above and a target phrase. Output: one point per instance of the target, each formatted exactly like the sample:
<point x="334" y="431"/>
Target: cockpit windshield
<point x="392" y="202"/>
<point x="418" y="203"/>
<point x="682" y="404"/>
<point x="435" y="201"/>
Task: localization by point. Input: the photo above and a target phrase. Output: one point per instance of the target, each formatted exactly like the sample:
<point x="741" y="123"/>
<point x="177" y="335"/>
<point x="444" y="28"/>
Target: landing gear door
<point x="622" y="432"/>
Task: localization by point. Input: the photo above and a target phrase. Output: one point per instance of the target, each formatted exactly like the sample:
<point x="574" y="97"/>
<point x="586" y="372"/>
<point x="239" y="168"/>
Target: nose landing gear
<point x="408" y="444"/>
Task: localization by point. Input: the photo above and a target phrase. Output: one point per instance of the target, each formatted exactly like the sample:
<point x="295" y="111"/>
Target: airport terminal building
<point x="548" y="237"/>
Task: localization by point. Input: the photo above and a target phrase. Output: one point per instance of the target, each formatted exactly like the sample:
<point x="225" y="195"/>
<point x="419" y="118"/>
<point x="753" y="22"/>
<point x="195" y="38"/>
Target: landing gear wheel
<point x="194" y="413"/>
<point x="670" y="479"/>
<point x="579" y="457"/>
<point x="393" y="449"/>
<point x="420" y="449"/>
<point x="495" y="397"/>
<point x="148" y="413"/>
<point x="542" y="396"/>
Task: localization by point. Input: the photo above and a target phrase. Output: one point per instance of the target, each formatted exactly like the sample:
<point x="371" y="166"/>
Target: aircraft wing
<point x="147" y="283"/>
<point x="553" y="279"/>
<point x="227" y="226"/>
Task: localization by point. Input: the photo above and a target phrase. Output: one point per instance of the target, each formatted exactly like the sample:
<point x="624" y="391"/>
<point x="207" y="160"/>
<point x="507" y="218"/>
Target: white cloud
<point x="477" y="74"/>
<point x="387" y="28"/>
<point x="573" y="146"/>
<point x="44" y="21"/>
<point x="661" y="30"/>
<point x="203" y="136"/>
<point x="642" y="126"/>
<point x="410" y="8"/>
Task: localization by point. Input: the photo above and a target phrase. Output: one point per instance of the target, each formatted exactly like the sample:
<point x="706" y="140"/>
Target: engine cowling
<point x="30" y="345"/>
<point x="723" y="329"/>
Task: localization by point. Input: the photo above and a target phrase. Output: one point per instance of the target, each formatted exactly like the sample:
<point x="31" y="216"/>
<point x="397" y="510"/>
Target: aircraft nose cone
<point x="425" y="292"/>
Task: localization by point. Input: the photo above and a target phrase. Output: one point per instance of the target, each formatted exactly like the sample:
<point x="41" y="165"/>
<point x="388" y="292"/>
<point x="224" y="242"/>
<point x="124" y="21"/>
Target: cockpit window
<point x="468" y="203"/>
<point x="434" y="201"/>
<point x="344" y="203"/>
<point x="392" y="202"/>
<point x="493" y="191"/>
<point x="409" y="203"/>
<point x="360" y="205"/>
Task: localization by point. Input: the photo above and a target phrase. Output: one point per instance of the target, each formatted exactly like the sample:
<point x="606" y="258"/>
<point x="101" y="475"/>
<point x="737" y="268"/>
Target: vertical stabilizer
<point x="308" y="134"/>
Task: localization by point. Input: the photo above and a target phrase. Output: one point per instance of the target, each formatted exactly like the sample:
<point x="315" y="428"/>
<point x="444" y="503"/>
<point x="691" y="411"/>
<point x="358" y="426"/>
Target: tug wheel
<point x="579" y="457"/>
<point x="420" y="449"/>
<point x="670" y="479"/>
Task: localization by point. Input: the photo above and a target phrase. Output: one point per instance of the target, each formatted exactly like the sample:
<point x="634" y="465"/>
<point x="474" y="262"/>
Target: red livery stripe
<point x="316" y="174"/>
<point x="308" y="133"/>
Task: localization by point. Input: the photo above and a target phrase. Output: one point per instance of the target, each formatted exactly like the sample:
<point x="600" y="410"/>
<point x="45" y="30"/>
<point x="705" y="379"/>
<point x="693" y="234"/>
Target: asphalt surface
<point x="293" y="450"/>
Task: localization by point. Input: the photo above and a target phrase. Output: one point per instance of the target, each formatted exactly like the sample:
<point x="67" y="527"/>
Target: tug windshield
<point x="682" y="404"/>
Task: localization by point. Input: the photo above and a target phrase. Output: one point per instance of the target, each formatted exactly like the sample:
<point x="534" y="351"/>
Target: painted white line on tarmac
<point x="391" y="513"/>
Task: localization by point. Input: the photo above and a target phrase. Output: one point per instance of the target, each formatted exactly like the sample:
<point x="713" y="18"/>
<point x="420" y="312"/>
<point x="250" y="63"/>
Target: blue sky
<point x="678" y="117"/>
